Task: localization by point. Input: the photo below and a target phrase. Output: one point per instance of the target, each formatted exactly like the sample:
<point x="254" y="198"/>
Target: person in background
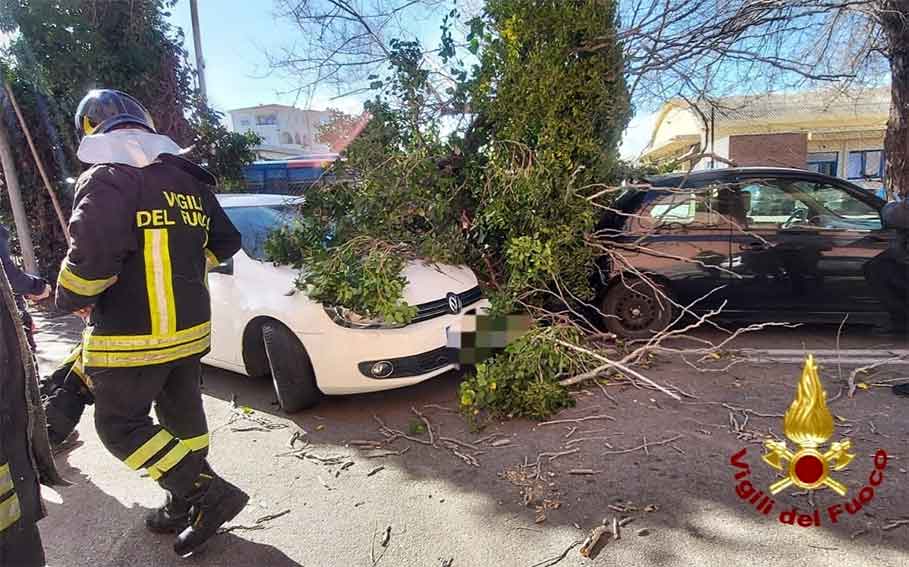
<point x="32" y="287"/>
<point x="25" y="457"/>
<point x="888" y="272"/>
<point x="65" y="393"/>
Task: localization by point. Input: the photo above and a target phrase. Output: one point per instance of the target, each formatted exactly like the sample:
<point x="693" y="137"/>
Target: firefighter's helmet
<point x="103" y="109"/>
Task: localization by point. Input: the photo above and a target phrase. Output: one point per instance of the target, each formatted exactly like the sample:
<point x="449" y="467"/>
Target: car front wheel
<point x="291" y="369"/>
<point x="636" y="309"/>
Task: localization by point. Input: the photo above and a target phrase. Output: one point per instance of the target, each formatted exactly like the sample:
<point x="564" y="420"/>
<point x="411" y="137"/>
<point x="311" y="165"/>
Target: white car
<point x="262" y="325"/>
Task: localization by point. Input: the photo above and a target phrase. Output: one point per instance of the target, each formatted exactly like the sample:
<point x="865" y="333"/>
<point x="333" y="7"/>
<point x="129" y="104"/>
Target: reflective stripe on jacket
<point x="141" y="239"/>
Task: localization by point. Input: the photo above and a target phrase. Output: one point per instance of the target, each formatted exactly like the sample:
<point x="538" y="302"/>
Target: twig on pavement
<point x="558" y="558"/>
<point x="578" y="420"/>
<point x="425" y="420"/>
<point x="644" y="446"/>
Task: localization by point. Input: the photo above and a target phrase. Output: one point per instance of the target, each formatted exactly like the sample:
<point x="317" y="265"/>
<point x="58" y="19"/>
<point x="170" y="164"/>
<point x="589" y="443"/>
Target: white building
<point x="286" y="131"/>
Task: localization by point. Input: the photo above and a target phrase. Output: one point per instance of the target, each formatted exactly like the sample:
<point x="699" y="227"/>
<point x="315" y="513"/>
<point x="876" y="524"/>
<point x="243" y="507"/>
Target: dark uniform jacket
<point x="896" y="216"/>
<point x="141" y="243"/>
<point x="21" y="282"/>
<point x="25" y="456"/>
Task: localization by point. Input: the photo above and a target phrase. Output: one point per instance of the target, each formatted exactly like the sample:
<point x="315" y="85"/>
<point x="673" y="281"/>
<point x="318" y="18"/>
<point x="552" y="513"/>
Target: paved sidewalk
<point x="680" y="494"/>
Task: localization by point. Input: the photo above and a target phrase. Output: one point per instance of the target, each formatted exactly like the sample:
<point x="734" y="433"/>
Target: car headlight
<point x="353" y="320"/>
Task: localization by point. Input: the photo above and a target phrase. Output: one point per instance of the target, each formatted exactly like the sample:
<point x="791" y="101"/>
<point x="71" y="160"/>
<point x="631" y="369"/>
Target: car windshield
<point x="256" y="223"/>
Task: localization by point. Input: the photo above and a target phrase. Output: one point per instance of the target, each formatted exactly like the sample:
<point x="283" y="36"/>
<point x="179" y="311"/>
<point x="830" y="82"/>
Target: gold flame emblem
<point x="809" y="424"/>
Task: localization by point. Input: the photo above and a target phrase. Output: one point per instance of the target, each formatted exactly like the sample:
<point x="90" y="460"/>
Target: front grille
<point x="414" y="365"/>
<point x="426" y="311"/>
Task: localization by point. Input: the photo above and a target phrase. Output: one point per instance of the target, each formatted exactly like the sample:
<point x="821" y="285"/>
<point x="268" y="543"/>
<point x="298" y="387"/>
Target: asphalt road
<point x="680" y="495"/>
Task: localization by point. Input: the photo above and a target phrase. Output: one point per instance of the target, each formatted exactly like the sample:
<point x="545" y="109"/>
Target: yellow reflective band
<point x="148" y="450"/>
<point x="81" y="286"/>
<point x="168" y="461"/>
<point x="145" y="342"/>
<point x="79" y="371"/>
<point x="75" y="355"/>
<point x="87" y="126"/>
<point x="9" y="512"/>
<point x="197" y="443"/>
<point x="159" y="281"/>
<point x="94" y="359"/>
<point x="6" y="477"/>
<point x="211" y="261"/>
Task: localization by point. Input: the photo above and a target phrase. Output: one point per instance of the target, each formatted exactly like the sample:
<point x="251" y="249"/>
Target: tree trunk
<point x="38" y="161"/>
<point x="894" y="14"/>
<point x="8" y="161"/>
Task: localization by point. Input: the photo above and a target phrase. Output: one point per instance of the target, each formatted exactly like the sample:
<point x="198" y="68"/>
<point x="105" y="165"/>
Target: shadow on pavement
<point x="687" y="485"/>
<point x="110" y="533"/>
<point x="682" y="493"/>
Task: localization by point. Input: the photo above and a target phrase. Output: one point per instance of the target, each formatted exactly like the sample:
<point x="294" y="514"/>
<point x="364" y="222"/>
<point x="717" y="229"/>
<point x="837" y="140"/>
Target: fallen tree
<point x="513" y="185"/>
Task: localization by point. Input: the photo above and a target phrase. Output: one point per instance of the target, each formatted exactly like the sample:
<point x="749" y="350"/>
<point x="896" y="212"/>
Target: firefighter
<point x="65" y="393"/>
<point x="145" y="228"/>
<point x="25" y="456"/>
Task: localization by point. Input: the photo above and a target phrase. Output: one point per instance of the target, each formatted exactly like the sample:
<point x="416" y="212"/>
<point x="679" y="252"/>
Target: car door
<point x="804" y="246"/>
<point x="683" y="237"/>
<point x="226" y="316"/>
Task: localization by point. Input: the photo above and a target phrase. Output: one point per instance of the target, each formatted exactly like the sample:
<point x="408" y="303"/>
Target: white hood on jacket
<point x="137" y="148"/>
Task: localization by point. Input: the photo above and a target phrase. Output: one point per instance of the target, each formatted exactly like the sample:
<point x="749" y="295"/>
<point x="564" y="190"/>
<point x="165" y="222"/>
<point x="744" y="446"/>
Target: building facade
<point x="837" y="133"/>
<point x="286" y="131"/>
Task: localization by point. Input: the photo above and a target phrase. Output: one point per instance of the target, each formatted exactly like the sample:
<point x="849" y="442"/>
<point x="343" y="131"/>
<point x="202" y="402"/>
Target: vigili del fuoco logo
<point x="809" y="465"/>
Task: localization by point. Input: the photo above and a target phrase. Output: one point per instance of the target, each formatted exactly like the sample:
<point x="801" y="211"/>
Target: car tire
<point x="633" y="309"/>
<point x="291" y="369"/>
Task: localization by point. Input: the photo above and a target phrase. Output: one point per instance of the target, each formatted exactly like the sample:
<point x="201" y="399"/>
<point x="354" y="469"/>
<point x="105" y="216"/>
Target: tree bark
<point x="8" y="162"/>
<point x="894" y="16"/>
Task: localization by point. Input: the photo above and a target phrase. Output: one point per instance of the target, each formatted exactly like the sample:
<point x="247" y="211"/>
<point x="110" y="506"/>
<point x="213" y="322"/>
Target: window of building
<point x="824" y="162"/>
<point x="286" y="138"/>
<point x="266" y="119"/>
<point x="867" y="164"/>
<point x="244" y="123"/>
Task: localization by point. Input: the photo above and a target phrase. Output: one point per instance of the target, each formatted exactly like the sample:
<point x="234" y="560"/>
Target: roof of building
<point x="772" y="111"/>
<point x="706" y="177"/>
<point x="788" y="106"/>
<point x="231" y="200"/>
<point x="275" y="106"/>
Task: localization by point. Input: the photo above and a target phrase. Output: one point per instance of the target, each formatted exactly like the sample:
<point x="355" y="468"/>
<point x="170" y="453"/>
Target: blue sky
<point x="237" y="35"/>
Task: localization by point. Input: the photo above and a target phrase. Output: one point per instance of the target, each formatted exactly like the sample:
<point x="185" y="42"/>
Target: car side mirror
<point x="225" y="267"/>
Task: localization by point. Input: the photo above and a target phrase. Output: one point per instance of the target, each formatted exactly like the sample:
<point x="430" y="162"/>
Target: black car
<point x="766" y="244"/>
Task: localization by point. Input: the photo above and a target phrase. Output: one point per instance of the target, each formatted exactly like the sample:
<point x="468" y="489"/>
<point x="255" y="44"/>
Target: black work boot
<point x="171" y="518"/>
<point x="214" y="502"/>
<point x="901" y="389"/>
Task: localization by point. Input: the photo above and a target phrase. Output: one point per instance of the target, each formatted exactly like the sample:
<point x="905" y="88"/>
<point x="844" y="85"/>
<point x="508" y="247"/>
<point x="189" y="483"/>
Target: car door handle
<point x="754" y="246"/>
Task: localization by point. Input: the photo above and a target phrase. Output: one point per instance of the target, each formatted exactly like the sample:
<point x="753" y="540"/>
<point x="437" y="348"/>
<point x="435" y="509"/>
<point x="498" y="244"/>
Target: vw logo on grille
<point x="454" y="303"/>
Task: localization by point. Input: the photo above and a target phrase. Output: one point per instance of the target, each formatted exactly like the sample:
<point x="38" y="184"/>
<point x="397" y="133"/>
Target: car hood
<point x="430" y="282"/>
<point x="425" y="281"/>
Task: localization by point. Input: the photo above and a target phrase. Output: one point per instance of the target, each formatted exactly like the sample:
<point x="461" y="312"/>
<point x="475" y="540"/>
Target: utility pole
<point x="197" y="43"/>
<point x="15" y="201"/>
